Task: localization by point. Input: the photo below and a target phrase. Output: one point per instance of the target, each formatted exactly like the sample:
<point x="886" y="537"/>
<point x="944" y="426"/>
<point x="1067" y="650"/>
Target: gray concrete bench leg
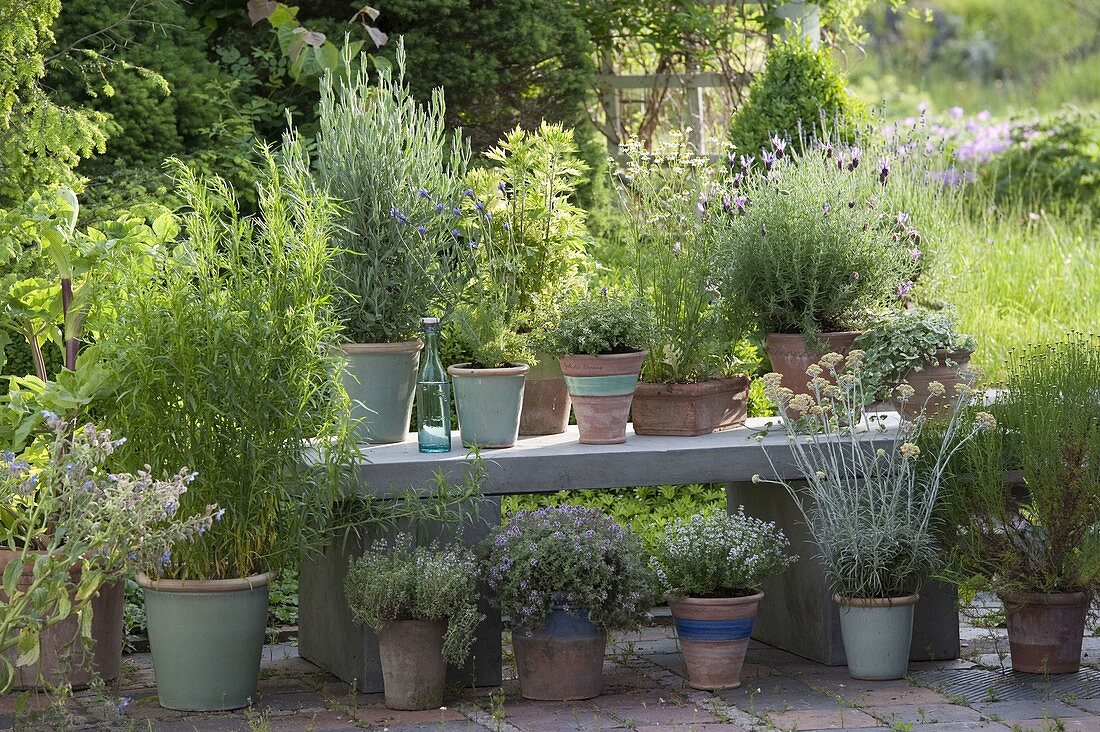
<point x="328" y="638"/>
<point x="798" y="613"/>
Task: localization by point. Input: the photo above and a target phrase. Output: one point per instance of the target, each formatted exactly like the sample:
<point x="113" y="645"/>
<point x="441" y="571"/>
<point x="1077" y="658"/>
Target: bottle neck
<point x="431" y="339"/>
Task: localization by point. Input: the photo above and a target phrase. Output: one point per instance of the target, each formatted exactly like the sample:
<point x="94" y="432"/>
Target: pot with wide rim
<point x="690" y="409"/>
<point x="546" y="400"/>
<point x="380" y="379"/>
<point x="602" y="388"/>
<point x="488" y="402"/>
<point x="790" y="355"/>
<point x="877" y="633"/>
<point x="713" y="633"/>
<point x="563" y="660"/>
<point x="1045" y="631"/>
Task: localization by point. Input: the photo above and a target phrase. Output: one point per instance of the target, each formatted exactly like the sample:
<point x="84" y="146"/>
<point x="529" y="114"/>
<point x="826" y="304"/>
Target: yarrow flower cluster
<point x="719" y="555"/>
<point x="573" y="558"/>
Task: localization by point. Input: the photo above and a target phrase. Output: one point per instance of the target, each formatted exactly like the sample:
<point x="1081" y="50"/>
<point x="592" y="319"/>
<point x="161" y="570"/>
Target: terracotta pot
<point x="602" y="388"/>
<point x="690" y="409"/>
<point x="413" y="670"/>
<point x="380" y="379"/>
<point x="546" y="405"/>
<point x="563" y="661"/>
<point x="790" y="356"/>
<point x="938" y="370"/>
<point x="488" y="403"/>
<point x="714" y="636"/>
<point x="877" y="635"/>
<point x="1045" y="631"/>
<point x="62" y="655"/>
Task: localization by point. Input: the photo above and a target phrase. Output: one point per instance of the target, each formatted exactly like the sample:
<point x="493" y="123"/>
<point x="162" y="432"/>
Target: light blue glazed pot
<point x="380" y="379"/>
<point x="877" y="634"/>
<point x="488" y="402"/>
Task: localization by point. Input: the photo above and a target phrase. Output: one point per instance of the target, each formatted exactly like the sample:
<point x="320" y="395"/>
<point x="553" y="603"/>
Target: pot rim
<point x="396" y="347"/>
<point x="713" y="601"/>
<point x="710" y="386"/>
<point x="608" y="356"/>
<point x="876" y="601"/>
<point x="236" y="584"/>
<point x="1043" y="598"/>
<point x="465" y="369"/>
<point x="802" y="336"/>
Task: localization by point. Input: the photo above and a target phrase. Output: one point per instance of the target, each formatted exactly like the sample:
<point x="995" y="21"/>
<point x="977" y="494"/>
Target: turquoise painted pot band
<point x="601" y="385"/>
<point x="713" y="630"/>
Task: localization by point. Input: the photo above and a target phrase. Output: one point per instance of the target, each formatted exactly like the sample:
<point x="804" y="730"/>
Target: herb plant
<point x="400" y="581"/>
<point x="387" y="160"/>
<point x="598" y="325"/>
<point x="228" y="351"/>
<point x="719" y="555"/>
<point x="871" y="494"/>
<point x="570" y="557"/>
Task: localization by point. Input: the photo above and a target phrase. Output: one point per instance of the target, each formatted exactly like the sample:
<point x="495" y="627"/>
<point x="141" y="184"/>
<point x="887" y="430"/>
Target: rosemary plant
<point x="870" y="493"/>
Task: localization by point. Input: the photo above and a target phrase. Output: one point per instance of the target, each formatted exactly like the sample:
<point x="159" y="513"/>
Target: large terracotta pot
<point x="877" y="634"/>
<point x="714" y="636"/>
<point x="413" y="670"/>
<point x="380" y="379"/>
<point x="602" y="388"/>
<point x="562" y="661"/>
<point x="690" y="409"/>
<point x="488" y="402"/>
<point x="790" y="356"/>
<point x="1045" y="631"/>
<point x="939" y="370"/>
<point x="62" y="655"/>
<point x="546" y="401"/>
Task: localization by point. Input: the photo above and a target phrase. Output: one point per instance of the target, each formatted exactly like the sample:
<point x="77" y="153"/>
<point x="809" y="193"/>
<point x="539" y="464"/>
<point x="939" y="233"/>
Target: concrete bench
<point x="797" y="613"/>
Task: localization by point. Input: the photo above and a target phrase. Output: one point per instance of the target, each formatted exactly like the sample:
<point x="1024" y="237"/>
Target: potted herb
<point x="565" y="576"/>
<point x="869" y="498"/>
<point x="691" y="383"/>
<point x="917" y="346"/>
<point x="812" y="249"/>
<point x="599" y="340"/>
<point x="422" y="603"/>
<point x="228" y="351"/>
<point x="712" y="567"/>
<point x="388" y="161"/>
<point x="1030" y="535"/>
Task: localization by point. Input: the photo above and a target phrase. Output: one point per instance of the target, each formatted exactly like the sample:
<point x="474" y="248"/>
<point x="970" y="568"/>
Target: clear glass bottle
<point x="433" y="395"/>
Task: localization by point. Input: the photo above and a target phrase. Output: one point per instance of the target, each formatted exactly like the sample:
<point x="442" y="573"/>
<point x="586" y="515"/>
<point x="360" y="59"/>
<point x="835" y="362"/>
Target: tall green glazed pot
<point x="380" y="379"/>
<point x="206" y="637"/>
<point x="488" y="402"/>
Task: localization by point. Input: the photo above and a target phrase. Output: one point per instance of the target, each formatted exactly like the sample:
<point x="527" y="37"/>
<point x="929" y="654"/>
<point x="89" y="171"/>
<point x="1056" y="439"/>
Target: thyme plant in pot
<point x="564" y="576"/>
<point x="1027" y="502"/>
<point x="691" y="382"/>
<point x="422" y="602"/>
<point x="812" y="249"/>
<point x="228" y="347"/>
<point x="869" y="501"/>
<point x="917" y="346"/>
<point x="711" y="567"/>
<point x="599" y="342"/>
<point x="388" y="161"/>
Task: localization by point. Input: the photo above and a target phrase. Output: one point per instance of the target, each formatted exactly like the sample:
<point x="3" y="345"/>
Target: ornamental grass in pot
<point x="869" y="499"/>
<point x="564" y="576"/>
<point x="227" y="347"/>
<point x="691" y="381"/>
<point x="711" y="567"/>
<point x="1027" y="502"/>
<point x="396" y="174"/>
<point x="599" y="339"/>
<point x="812" y="246"/>
<point x="422" y="603"/>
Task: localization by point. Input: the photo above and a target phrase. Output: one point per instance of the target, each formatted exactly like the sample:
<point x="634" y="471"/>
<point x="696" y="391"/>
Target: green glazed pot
<point x="380" y="378"/>
<point x="206" y="637"/>
<point x="877" y="634"/>
<point x="488" y="402"/>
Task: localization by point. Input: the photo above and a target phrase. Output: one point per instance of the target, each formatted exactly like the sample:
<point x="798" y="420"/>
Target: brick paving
<point x="644" y="691"/>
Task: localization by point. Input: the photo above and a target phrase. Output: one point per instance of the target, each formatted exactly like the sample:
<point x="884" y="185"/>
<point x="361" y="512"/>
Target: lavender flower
<point x="422" y="229"/>
<point x="904" y="289"/>
<point x="423" y="193"/>
<point x="779" y="144"/>
<point x="769" y="159"/>
<point x="883" y="170"/>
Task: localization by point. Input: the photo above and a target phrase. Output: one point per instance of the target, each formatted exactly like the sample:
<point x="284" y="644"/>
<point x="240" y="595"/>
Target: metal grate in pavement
<point x="982" y="685"/>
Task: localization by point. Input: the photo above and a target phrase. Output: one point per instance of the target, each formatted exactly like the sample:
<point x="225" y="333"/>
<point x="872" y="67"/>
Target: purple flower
<point x="456" y="211"/>
<point x="740" y="202"/>
<point x="219" y="514"/>
<point x="779" y="144"/>
<point x="165" y="558"/>
<point x="479" y="205"/>
<point x="422" y="229"/>
<point x="123" y="703"/>
<point x="746" y="162"/>
<point x="825" y="208"/>
<point x="469" y="193"/>
<point x="955" y="112"/>
<point x="439" y="207"/>
<point x="904" y="288"/>
<point x="915" y="254"/>
<point x="769" y="158"/>
<point x="603" y="291"/>
<point x="883" y="170"/>
<point x="501" y="187"/>
<point x="506" y="226"/>
<point x="423" y="193"/>
<point x="456" y="233"/>
<point x="857" y="155"/>
<point x="737" y="180"/>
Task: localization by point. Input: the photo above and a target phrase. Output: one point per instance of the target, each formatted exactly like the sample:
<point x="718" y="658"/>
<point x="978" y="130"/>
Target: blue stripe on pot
<point x="713" y="630"/>
<point x="601" y="385"/>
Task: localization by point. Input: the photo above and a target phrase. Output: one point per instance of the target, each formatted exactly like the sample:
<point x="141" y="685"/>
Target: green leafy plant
<point x="800" y="93"/>
<point x="228" y="346"/>
<point x="569" y="557"/>
<point x="667" y="193"/>
<point x="907" y="340"/>
<point x="719" y="555"/>
<point x="401" y="581"/>
<point x="1038" y="536"/>
<point x="870" y="495"/>
<point x="388" y="161"/>
<point x="598" y="325"/>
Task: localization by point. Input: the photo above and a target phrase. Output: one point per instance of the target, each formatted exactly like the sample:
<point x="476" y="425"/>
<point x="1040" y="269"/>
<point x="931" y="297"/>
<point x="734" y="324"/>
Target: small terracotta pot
<point x="413" y="670"/>
<point x="690" y="409"/>
<point x="563" y="660"/>
<point x="602" y="388"/>
<point x="938" y="370"/>
<point x="714" y="636"/>
<point x="1045" y="631"/>
<point x="790" y="356"/>
<point x="546" y="405"/>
